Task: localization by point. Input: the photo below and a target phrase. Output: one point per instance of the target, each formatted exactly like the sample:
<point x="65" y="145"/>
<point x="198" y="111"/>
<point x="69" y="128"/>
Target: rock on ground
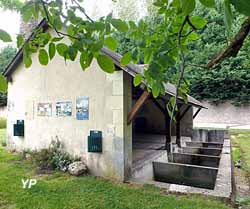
<point x="77" y="168"/>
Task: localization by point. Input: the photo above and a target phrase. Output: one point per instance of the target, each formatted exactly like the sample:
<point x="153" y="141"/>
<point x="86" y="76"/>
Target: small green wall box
<point x="95" y="141"/>
<point x="19" y="128"/>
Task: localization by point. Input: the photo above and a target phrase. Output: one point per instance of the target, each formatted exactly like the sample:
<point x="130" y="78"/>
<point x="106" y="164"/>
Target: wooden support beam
<point x="167" y="123"/>
<point x="131" y="115"/>
<point x="157" y="104"/>
<point x="178" y="133"/>
<point x="180" y="116"/>
<point x="196" y="113"/>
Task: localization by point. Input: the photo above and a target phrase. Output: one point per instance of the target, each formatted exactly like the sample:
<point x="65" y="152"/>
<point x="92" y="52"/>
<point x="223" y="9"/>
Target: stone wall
<point x="222" y="115"/>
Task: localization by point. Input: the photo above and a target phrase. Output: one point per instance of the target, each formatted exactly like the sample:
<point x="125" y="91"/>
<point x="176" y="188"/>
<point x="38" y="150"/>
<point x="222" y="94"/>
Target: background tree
<point x="127" y="10"/>
<point x="164" y="49"/>
<point x="228" y="81"/>
<point x="6" y="55"/>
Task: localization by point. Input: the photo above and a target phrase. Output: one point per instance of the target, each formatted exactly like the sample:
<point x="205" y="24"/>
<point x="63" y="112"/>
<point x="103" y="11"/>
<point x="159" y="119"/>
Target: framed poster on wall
<point x="64" y="108"/>
<point x="44" y="109"/>
<point x="82" y="108"/>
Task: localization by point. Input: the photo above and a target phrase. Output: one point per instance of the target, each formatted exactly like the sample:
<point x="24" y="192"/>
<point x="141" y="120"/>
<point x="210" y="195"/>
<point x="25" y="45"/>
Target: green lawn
<point x="241" y="148"/>
<point x="2" y="136"/>
<point x="240" y="140"/>
<point x="59" y="191"/>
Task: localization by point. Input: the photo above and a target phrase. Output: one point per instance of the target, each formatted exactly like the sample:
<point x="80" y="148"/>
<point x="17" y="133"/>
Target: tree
<point x="6" y="55"/>
<point x="228" y="81"/>
<point x="126" y="10"/>
<point x="163" y="50"/>
<point x="11" y="4"/>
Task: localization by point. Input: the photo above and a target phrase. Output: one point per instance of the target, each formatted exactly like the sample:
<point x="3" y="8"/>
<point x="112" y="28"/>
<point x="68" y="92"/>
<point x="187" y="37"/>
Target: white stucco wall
<point x="109" y="96"/>
<point x="223" y="115"/>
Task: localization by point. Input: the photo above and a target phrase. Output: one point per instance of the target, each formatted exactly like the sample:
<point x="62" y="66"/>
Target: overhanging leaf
<point x="187" y="6"/>
<point x="43" y="57"/>
<point x="155" y="90"/>
<point x="3" y="84"/>
<point x="208" y="3"/>
<point x="61" y="49"/>
<point x="85" y="60"/>
<point x="4" y="36"/>
<point x="242" y="6"/>
<point x="52" y="50"/>
<point x="119" y="25"/>
<point x="20" y="41"/>
<point x="111" y="43"/>
<point x="228" y="16"/>
<point x="126" y="59"/>
<point x="106" y="63"/>
<point x="137" y="79"/>
<point x="198" y="22"/>
<point x="27" y="60"/>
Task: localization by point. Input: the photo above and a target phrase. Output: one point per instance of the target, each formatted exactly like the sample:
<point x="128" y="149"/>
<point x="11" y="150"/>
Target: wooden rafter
<point x="196" y="113"/>
<point x="139" y="103"/>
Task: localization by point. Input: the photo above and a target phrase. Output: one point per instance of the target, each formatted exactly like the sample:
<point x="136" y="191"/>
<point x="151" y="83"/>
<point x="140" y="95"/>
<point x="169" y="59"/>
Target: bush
<point x="3" y="143"/>
<point x="3" y="123"/>
<point x="53" y="158"/>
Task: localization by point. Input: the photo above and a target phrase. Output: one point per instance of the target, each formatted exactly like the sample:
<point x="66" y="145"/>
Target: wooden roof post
<point x="131" y="115"/>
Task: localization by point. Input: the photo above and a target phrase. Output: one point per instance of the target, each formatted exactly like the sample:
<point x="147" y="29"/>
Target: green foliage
<point x="242" y="6"/>
<point x="4" y="36"/>
<point x="52" y="158"/>
<point x="187" y="6"/>
<point x="119" y="25"/>
<point x="3" y="123"/>
<point x="43" y="57"/>
<point x="105" y="63"/>
<point x="11" y="4"/>
<point x="126" y="59"/>
<point x="231" y="79"/>
<point x="52" y="50"/>
<point x="208" y="3"/>
<point x="6" y="55"/>
<point x="111" y="43"/>
<point x="162" y="46"/>
<point x="137" y="79"/>
<point x="2" y="137"/>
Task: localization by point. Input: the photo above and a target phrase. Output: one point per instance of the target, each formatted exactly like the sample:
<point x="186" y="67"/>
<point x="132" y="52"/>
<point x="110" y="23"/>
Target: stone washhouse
<point x="119" y="131"/>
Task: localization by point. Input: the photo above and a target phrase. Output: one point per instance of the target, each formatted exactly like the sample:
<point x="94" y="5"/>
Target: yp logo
<point x="28" y="183"/>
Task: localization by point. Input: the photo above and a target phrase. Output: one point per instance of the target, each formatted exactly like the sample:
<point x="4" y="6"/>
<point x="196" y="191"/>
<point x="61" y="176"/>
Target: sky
<point x="10" y="21"/>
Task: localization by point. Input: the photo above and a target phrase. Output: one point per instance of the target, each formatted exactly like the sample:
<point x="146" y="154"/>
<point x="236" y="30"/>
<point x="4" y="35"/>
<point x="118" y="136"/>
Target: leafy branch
<point x="234" y="47"/>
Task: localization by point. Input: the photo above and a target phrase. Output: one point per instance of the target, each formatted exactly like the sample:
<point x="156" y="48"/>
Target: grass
<point x="2" y="136"/>
<point x="61" y="191"/>
<point x="241" y="151"/>
<point x="241" y="148"/>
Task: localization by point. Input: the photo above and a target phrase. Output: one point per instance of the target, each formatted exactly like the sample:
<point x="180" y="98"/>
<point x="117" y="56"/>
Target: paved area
<point x="222" y="125"/>
<point x="146" y="146"/>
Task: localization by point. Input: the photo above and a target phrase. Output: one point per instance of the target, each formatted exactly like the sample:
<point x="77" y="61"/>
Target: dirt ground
<point x="242" y="189"/>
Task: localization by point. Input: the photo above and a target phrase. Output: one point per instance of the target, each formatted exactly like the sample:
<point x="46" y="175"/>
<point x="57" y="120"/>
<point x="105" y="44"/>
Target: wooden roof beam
<point x="137" y="106"/>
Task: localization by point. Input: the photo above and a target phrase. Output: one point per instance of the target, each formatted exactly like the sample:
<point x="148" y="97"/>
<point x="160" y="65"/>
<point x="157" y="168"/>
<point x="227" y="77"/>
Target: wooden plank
<point x="131" y="115"/>
<point x="179" y="117"/>
<point x="196" y="113"/>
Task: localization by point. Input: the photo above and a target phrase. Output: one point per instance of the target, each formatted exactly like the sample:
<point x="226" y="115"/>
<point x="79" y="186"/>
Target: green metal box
<point x="95" y="141"/>
<point x="19" y="128"/>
